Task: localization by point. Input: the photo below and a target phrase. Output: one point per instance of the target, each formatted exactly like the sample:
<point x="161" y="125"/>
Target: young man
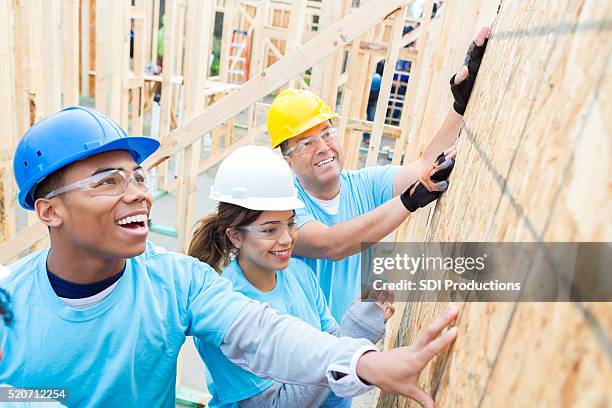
<point x="103" y="313"/>
<point x="347" y="208"/>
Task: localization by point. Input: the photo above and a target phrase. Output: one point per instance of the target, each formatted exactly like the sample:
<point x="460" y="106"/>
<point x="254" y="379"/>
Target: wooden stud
<point x="154" y="30"/>
<point x="296" y="30"/>
<point x="8" y="119"/>
<point x="70" y="50"/>
<point x="110" y="59"/>
<point x="415" y="69"/>
<point x="85" y="47"/>
<point x="229" y="15"/>
<point x="385" y="87"/>
<point x="199" y="25"/>
<point x="257" y="59"/>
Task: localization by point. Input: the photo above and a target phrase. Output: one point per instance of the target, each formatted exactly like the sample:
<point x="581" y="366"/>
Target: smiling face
<point x="105" y="226"/>
<point x="321" y="166"/>
<point x="267" y="254"/>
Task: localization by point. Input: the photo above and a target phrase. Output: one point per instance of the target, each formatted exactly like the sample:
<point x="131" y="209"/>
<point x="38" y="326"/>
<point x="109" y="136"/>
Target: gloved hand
<point x="462" y="82"/>
<point x="431" y="184"/>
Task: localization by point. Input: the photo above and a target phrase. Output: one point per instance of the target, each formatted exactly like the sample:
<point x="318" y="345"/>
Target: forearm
<point x="346" y="238"/>
<point x="444" y="138"/>
<point x="288" y="395"/>
<point x="289" y="350"/>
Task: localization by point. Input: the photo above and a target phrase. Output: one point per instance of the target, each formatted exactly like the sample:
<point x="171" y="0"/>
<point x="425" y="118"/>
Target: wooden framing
<point x="70" y="49"/>
<point x="385" y="88"/>
<point x="523" y="62"/>
<point x="8" y="118"/>
<point x="120" y="81"/>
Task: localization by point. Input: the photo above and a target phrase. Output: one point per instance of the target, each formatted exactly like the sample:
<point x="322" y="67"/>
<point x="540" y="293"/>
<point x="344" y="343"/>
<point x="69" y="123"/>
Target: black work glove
<point x="463" y="90"/>
<point x="421" y="195"/>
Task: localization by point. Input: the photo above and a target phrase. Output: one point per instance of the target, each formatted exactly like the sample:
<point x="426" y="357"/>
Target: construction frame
<point x="80" y="51"/>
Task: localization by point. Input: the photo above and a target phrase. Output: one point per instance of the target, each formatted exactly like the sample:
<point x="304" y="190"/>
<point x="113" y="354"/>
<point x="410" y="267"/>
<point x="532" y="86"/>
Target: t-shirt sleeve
<point x="380" y="180"/>
<point x="212" y="304"/>
<point x="303" y="216"/>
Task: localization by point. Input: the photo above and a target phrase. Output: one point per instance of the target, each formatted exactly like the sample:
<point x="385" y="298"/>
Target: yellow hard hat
<point x="293" y="112"/>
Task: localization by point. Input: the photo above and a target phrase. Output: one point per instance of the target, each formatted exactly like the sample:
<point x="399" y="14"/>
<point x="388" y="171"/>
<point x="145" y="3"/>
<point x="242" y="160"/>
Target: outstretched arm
<point x="291" y="351"/>
<point x="462" y="84"/>
<point x="363" y="320"/>
<point x="336" y="242"/>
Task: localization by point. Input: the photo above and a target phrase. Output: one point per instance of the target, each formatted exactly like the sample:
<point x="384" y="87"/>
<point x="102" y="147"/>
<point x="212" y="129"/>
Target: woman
<point x="253" y="233"/>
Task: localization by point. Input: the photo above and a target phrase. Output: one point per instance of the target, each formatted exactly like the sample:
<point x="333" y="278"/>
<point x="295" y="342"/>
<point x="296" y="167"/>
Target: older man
<point x="347" y="208"/>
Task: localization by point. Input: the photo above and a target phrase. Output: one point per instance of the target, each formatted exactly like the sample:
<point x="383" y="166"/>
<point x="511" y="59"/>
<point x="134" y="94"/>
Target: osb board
<point x="533" y="165"/>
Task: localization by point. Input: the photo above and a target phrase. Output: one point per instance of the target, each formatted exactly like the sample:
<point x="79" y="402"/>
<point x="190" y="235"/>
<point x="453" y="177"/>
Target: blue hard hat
<point x="72" y="134"/>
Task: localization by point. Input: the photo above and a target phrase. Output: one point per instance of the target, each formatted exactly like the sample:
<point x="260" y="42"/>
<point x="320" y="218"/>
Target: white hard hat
<point x="256" y="178"/>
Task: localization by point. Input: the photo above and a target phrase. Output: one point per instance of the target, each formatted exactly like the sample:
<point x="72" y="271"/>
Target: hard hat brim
<point x="140" y="147"/>
<point x="316" y="120"/>
<point x="262" y="203"/>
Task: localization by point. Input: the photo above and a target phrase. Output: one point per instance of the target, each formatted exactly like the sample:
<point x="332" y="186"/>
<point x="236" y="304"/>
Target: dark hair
<point x="284" y="146"/>
<point x="52" y="182"/>
<point x="5" y="307"/>
<point x="210" y="243"/>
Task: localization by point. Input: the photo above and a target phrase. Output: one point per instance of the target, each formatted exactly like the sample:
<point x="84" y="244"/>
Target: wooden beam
<point x="110" y="66"/>
<point x="385" y="87"/>
<point x="170" y="27"/>
<point x="415" y="71"/>
<point x="361" y="125"/>
<point x="258" y="58"/>
<point x="26" y="239"/>
<point x="314" y="51"/>
<point x="381" y="49"/>
<point x="200" y="21"/>
<point x="154" y="31"/>
<point x="8" y="119"/>
<point x="85" y="49"/>
<point x="70" y="50"/>
<point x="295" y="30"/>
<point x="226" y="38"/>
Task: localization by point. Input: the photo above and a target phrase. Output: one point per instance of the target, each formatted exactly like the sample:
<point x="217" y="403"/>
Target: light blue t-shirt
<point x="123" y="351"/>
<point x="361" y="191"/>
<point x="296" y="293"/>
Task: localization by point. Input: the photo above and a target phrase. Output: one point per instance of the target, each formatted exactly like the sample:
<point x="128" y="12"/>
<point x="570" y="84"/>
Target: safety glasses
<point x="108" y="183"/>
<point x="271" y="231"/>
<point x="308" y="144"/>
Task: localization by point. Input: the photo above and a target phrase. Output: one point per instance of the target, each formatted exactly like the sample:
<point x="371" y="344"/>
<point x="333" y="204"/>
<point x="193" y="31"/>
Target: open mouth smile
<point x="324" y="162"/>
<point x="133" y="222"/>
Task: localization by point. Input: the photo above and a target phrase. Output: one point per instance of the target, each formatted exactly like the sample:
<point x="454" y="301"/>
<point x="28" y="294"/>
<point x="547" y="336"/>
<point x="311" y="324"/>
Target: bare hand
<point x="397" y="371"/>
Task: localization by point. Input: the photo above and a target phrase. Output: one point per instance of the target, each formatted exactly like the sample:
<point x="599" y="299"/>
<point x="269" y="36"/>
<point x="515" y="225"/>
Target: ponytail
<point x="210" y="243"/>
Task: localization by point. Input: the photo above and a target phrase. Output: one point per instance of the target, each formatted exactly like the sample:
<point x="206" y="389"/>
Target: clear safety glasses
<point x="273" y="230"/>
<point x="308" y="144"/>
<point x="108" y="183"/>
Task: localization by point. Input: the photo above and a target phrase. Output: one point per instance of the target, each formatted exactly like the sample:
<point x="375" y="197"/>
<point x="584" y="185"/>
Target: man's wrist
<point x="460" y="109"/>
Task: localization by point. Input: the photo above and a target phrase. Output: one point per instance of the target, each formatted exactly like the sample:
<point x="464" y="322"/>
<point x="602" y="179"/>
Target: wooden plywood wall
<point x="533" y="165"/>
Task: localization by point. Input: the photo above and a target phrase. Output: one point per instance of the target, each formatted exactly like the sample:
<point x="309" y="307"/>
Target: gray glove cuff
<point x="363" y="320"/>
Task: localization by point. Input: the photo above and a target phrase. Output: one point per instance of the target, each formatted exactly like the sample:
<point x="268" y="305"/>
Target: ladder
<point x="239" y="50"/>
